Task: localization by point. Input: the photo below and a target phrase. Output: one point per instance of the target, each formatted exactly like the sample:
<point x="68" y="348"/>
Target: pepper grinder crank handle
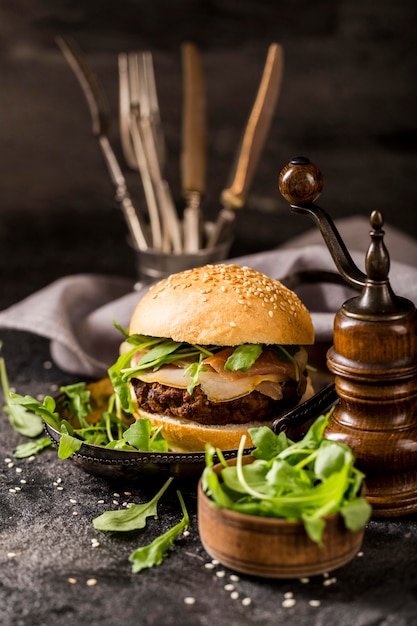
<point x="373" y="357"/>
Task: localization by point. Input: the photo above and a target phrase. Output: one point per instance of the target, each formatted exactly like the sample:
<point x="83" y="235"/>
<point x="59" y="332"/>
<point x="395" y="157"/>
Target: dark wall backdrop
<point x="348" y="102"/>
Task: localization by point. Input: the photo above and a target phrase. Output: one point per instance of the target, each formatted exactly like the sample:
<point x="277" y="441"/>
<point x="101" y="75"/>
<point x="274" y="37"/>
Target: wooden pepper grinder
<point x="373" y="357"/>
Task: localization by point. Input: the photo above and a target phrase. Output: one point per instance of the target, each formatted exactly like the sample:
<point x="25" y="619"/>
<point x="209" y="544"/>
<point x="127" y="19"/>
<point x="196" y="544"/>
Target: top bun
<point x="223" y="305"/>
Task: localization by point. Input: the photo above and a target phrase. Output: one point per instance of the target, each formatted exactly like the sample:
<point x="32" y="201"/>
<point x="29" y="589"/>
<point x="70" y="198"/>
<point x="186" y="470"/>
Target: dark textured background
<point x="349" y="103"/>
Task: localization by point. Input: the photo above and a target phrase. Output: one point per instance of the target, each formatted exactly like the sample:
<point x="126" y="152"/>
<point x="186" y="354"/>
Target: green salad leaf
<point x="243" y="357"/>
<point x="22" y="420"/>
<point x="132" y="518"/>
<point x="304" y="480"/>
<point x="32" y="448"/>
<point x="155" y="552"/>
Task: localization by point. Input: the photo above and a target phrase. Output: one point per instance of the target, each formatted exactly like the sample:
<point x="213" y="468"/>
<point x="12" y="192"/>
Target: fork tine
<point x="150" y="103"/>
<point x="124" y="112"/>
<point x="140" y="115"/>
<point x="135" y="137"/>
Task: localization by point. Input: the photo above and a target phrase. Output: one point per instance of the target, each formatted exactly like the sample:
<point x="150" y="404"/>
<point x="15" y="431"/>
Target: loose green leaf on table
<point x="32" y="448"/>
<point x="22" y="420"/>
<point x="132" y="518"/>
<point x="155" y="552"/>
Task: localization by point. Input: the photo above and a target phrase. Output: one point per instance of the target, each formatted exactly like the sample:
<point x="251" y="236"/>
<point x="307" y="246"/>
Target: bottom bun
<point x="184" y="435"/>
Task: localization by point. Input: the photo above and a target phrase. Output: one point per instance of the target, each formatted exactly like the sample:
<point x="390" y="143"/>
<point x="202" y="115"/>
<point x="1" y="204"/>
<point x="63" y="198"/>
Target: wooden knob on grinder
<point x="300" y="182"/>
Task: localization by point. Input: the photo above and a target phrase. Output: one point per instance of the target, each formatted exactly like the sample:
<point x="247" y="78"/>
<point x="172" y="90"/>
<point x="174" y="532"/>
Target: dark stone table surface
<point x="349" y="103"/>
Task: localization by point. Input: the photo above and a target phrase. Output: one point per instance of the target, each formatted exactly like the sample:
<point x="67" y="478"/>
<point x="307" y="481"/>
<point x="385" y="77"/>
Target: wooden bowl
<point x="270" y="547"/>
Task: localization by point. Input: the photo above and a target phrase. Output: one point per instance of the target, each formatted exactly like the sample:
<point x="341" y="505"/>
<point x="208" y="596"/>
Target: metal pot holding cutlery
<point x="373" y="357"/>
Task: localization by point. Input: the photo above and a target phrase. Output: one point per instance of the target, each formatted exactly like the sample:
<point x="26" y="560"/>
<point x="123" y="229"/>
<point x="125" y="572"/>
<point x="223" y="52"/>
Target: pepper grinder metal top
<point x="373" y="357"/>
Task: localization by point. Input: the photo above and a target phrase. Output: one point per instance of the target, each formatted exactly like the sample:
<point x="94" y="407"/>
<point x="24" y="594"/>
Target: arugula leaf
<point x="356" y="513"/>
<point x="132" y="518"/>
<point x="267" y="443"/>
<point x="139" y="435"/>
<point x="23" y="421"/>
<point x="78" y="401"/>
<point x="68" y="445"/>
<point x="155" y="552"/>
<point x="157" y="354"/>
<point x="243" y="357"/>
<point x="193" y="370"/>
<point x="45" y="409"/>
<point x="31" y="448"/>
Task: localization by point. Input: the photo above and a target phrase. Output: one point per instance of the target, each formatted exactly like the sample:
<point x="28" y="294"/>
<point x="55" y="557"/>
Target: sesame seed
<point x="11" y="555"/>
<point x="11" y="490"/>
<point x="288" y="603"/>
<point x="19" y="470"/>
<point x="73" y="501"/>
<point x="246" y="601"/>
<point x="234" y="595"/>
<point x="360" y="554"/>
<point x="7" y="460"/>
<point x="10" y="465"/>
<point x="288" y="594"/>
<point x="235" y="578"/>
<point x="127" y="493"/>
<point x="221" y="574"/>
<point x="189" y="600"/>
<point x="72" y="581"/>
<point x="304" y="580"/>
<point x="59" y="488"/>
<point x="229" y="587"/>
<point x="100" y="501"/>
<point x="209" y="565"/>
<point x="329" y="581"/>
<point x="91" y="582"/>
<point x="271" y="313"/>
<point x="232" y="324"/>
<point x="314" y="602"/>
<point x="115" y="502"/>
<point x="23" y="482"/>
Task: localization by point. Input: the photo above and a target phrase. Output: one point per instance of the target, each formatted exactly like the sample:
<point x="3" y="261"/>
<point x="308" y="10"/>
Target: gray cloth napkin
<point x="76" y="312"/>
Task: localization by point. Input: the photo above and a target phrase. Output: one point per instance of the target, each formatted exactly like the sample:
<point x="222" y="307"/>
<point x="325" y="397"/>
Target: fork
<point x="143" y="115"/>
<point x="133" y="148"/>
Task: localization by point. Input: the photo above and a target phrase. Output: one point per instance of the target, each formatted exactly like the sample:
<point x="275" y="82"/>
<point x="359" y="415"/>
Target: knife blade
<point x="256" y="131"/>
<point x="193" y="156"/>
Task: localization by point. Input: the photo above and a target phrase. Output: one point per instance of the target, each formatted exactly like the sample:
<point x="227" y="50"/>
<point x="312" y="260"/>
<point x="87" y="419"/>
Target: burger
<point x="213" y="351"/>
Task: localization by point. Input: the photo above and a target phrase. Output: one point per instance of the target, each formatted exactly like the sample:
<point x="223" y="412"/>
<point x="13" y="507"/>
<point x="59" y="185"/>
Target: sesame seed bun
<point x="225" y="305"/>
